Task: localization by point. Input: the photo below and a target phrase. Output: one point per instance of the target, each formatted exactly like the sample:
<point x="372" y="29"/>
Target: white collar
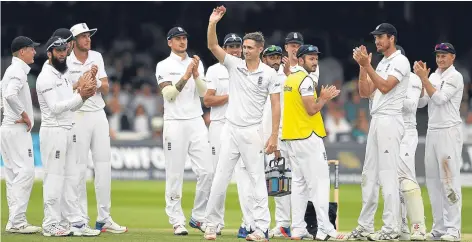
<point x="76" y="61"/>
<point x="25" y="67"/>
<point x="446" y="72"/>
<point x="176" y="57"/>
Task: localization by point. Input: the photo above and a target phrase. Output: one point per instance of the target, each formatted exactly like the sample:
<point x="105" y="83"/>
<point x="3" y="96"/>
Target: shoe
<point x="450" y="237"/>
<point x="258" y="235"/>
<point x="210" y="233"/>
<point x="432" y="236"/>
<point x="383" y="236"/>
<point x="417" y="233"/>
<point x="110" y="226"/>
<point x="219" y="228"/>
<point x="280" y="232"/>
<point x="332" y="236"/>
<point x="180" y="230"/>
<point x="84" y="230"/>
<point x="404" y="230"/>
<point x="306" y="236"/>
<point x="55" y="230"/>
<point x="25" y="229"/>
<point x="242" y="232"/>
<point x="358" y="233"/>
<point x="196" y="225"/>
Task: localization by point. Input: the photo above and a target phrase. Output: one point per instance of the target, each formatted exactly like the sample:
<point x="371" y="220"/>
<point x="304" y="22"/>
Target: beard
<point x="60" y="66"/>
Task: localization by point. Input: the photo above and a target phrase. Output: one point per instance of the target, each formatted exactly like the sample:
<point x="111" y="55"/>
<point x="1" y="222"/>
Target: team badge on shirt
<point x="259" y="82"/>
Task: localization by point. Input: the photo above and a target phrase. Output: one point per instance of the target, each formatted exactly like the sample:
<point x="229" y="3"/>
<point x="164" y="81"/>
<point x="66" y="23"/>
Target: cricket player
<point x="68" y="36"/>
<point x="58" y="138"/>
<point x="180" y="78"/>
<point x="293" y="41"/>
<point x="216" y="97"/>
<point x="386" y="130"/>
<point x="303" y="130"/>
<point x="444" y="140"/>
<point x="251" y="81"/>
<point x="272" y="56"/>
<point x="16" y="142"/>
<point x="93" y="124"/>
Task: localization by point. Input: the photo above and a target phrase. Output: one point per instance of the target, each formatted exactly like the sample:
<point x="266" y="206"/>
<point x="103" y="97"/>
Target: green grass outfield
<point x="140" y="206"/>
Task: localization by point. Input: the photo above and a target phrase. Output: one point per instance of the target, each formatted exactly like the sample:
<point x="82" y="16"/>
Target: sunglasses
<point x="233" y="39"/>
<point x="444" y="47"/>
<point x="273" y="49"/>
<point x="58" y="43"/>
<point x="310" y="49"/>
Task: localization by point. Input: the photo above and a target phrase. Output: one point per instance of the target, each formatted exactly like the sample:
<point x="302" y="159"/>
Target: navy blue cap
<point x="64" y="33"/>
<point x="57" y="43"/>
<point x="385" y="28"/>
<point x="307" y="49"/>
<point x="176" y="31"/>
<point x="445" y="48"/>
<point x="21" y="42"/>
<point x="294" y="37"/>
<point x="232" y="38"/>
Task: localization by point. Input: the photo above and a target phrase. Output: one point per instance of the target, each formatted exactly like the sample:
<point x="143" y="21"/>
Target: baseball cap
<point x="385" y="28"/>
<point x="64" y="34"/>
<point x="82" y="28"/>
<point x="232" y="38"/>
<point x="307" y="49"/>
<point x="57" y="43"/>
<point x="401" y="49"/>
<point x="294" y="37"/>
<point x="445" y="48"/>
<point x="272" y="50"/>
<point x="21" y="42"/>
<point x="176" y="31"/>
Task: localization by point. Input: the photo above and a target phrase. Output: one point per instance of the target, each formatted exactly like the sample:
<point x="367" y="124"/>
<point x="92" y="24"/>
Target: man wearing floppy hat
<point x="302" y="131"/>
<point x="92" y="122"/>
<point x="58" y="142"/>
<point x="272" y="56"/>
<point x="15" y="138"/>
<point x="388" y="88"/>
<point x="180" y="78"/>
<point x="442" y="93"/>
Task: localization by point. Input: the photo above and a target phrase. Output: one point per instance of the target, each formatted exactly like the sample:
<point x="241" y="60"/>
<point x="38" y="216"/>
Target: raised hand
<point x="196" y="61"/>
<point x="286" y="62"/>
<point x="217" y="14"/>
<point x="360" y="55"/>
<point x="94" y="70"/>
<point x="421" y="69"/>
<point x="329" y="92"/>
<point x="189" y="71"/>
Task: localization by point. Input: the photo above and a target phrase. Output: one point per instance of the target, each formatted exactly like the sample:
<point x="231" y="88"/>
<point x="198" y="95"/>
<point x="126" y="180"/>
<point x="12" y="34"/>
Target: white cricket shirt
<point x="187" y="104"/>
<point x="16" y="96"/>
<point x="410" y="104"/>
<point x="217" y="78"/>
<point x="444" y="105"/>
<point x="248" y="91"/>
<point x="396" y="65"/>
<point x="77" y="69"/>
<point x="56" y="98"/>
<point x="267" y="115"/>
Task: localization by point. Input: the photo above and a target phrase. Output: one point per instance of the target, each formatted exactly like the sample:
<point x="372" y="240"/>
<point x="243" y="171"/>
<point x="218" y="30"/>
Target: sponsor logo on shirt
<point x="74" y="72"/>
<point x="259" y="81"/>
<point x="46" y="90"/>
<point x="175" y="73"/>
<point x="287" y="89"/>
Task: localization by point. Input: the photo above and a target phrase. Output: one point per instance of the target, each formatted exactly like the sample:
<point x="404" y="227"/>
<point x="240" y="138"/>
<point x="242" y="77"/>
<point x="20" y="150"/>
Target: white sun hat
<point x="82" y="28"/>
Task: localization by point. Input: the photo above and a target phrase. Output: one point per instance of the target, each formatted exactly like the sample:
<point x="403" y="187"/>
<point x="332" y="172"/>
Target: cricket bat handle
<point x="336" y="188"/>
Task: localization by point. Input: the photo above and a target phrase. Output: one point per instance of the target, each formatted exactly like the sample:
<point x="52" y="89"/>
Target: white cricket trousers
<point x="18" y="158"/>
<point x="245" y="143"/>
<point x="58" y="147"/>
<point x="380" y="165"/>
<point x="310" y="181"/>
<point x="282" y="204"/>
<point x="182" y="138"/>
<point x="94" y="135"/>
<point x="442" y="163"/>
<point x="242" y="178"/>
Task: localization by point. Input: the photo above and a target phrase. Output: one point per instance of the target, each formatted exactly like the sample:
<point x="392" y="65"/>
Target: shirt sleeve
<point x="400" y="69"/>
<point x="211" y="78"/>
<point x="230" y="61"/>
<point x="448" y="89"/>
<point x="410" y="104"/>
<point x="274" y="83"/>
<point x="12" y="91"/>
<point x="162" y="75"/>
<point x="45" y="87"/>
<point x="101" y="67"/>
<point x="307" y="87"/>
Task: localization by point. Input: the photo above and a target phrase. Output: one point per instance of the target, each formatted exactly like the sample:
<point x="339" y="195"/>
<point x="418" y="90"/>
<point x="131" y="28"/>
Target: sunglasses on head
<point x="310" y="49"/>
<point x="273" y="49"/>
<point x="441" y="46"/>
<point x="59" y="42"/>
<point x="233" y="39"/>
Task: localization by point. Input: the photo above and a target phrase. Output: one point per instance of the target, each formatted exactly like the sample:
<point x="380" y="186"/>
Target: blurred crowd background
<point x="132" y="38"/>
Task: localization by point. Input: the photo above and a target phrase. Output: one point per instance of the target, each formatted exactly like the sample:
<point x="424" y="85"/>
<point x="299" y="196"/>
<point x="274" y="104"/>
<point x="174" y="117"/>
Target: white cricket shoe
<point x="180" y="230"/>
<point x="84" y="230"/>
<point x="25" y="229"/>
<point x="280" y="232"/>
<point x="55" y="230"/>
<point x="418" y="232"/>
<point x="359" y="233"/>
<point x="110" y="226"/>
<point x="219" y="228"/>
<point x="383" y="236"/>
<point x="258" y="235"/>
<point x="210" y="232"/>
<point x="433" y="237"/>
<point x="450" y="237"/>
<point x="332" y="236"/>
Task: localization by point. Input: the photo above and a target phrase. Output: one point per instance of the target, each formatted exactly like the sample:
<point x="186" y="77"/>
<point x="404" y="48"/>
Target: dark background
<point x="132" y="35"/>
